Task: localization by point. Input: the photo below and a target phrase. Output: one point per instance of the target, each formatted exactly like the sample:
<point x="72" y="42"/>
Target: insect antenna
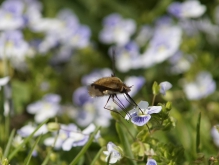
<point x="113" y="53"/>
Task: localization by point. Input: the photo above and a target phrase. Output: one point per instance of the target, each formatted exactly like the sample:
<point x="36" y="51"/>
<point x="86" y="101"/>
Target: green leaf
<point x="27" y="161"/>
<point x="198" y="133"/>
<point x="26" y="141"/>
<point x="125" y="143"/>
<point x="9" y="143"/>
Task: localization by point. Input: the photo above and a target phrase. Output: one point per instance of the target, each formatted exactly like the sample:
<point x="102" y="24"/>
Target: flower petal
<point x="143" y="104"/>
<point x="154" y="109"/>
<point x="164" y="86"/>
<point x="151" y="162"/>
<point x="140" y="120"/>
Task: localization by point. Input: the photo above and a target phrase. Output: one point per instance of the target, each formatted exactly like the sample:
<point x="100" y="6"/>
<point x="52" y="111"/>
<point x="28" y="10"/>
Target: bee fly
<point x="111" y="86"/>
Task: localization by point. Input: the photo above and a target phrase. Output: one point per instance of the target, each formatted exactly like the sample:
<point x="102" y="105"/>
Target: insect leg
<point x="111" y="109"/>
<point x="130" y="98"/>
<point x="122" y="105"/>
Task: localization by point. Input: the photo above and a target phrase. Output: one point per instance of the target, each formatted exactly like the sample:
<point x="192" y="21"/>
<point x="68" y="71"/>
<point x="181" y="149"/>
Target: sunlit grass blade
<point x="198" y="134"/>
<point x="9" y="144"/>
<point x="27" y="161"/>
<point x="97" y="156"/>
<point x="84" y="149"/>
<point x="125" y="143"/>
<point x="25" y="141"/>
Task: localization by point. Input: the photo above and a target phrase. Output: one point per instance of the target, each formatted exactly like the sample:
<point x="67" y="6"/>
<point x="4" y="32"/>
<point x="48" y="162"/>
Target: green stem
<point x="125" y="143"/>
<point x="153" y="100"/>
<point x="9" y="144"/>
<point x="97" y="156"/>
<point x="25" y="141"/>
<point x="198" y="134"/>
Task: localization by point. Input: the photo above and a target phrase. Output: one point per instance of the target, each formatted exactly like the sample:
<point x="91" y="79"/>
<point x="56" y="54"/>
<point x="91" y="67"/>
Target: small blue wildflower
<point x="187" y="9"/>
<point x="151" y="162"/>
<point x="164" y="86"/>
<point x="141" y="115"/>
<point x="203" y="86"/>
<point x="117" y="30"/>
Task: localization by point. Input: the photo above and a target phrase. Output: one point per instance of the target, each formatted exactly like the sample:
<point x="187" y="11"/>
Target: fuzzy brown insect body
<point x="111" y="86"/>
<point x="108" y="86"/>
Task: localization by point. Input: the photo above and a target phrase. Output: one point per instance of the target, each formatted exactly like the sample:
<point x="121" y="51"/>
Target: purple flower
<point x="187" y="9"/>
<point x="11" y="15"/>
<point x="29" y="128"/>
<point x="151" y="162"/>
<point x="141" y="115"/>
<point x="127" y="57"/>
<point x="81" y="96"/>
<point x="46" y="108"/>
<point x="164" y="86"/>
<point x="117" y="30"/>
<point x="203" y="86"/>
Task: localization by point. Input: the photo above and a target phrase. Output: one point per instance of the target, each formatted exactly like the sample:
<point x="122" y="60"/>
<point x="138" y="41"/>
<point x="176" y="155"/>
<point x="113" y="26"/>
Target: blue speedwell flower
<point x="164" y="86"/>
<point x="141" y="115"/>
<point x="151" y="162"/>
<point x="187" y="9"/>
<point x="112" y="153"/>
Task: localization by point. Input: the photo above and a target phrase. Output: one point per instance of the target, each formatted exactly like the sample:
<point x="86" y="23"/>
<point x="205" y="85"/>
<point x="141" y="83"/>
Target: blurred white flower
<point x="13" y="47"/>
<point x="11" y="17"/>
<point x="215" y="135"/>
<point x="4" y="81"/>
<point x="164" y="44"/>
<point x="127" y="57"/>
<point x="112" y="153"/>
<point x="70" y="136"/>
<point x="187" y="9"/>
<point x="117" y="30"/>
<point x="203" y="86"/>
<point x="29" y="128"/>
<point x="46" y="108"/>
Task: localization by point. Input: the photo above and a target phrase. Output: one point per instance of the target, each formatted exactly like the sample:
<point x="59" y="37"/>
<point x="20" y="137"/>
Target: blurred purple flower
<point x="70" y="136"/>
<point x="127" y="57"/>
<point x="203" y="86"/>
<point x="117" y="30"/>
<point x="187" y="9"/>
<point x="11" y="17"/>
<point x="164" y="86"/>
<point x="14" y="47"/>
<point x="81" y="96"/>
<point x="29" y="128"/>
<point x="141" y="116"/>
<point x="164" y="44"/>
<point x="64" y="133"/>
<point x="46" y="108"/>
